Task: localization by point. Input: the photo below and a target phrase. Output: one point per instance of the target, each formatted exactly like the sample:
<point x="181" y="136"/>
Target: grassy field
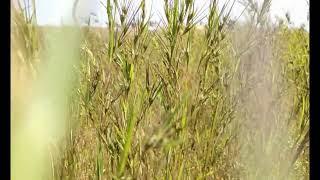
<point x="179" y="102"/>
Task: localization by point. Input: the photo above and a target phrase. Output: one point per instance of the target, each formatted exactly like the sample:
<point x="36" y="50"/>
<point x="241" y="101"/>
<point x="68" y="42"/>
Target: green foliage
<point x="178" y="103"/>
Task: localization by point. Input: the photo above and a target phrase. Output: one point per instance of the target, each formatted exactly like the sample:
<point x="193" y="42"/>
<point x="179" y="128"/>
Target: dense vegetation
<point x="178" y="102"/>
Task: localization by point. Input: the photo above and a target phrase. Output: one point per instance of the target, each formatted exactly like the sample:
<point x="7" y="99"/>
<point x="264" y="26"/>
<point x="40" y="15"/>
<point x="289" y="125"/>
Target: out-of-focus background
<point x="59" y="12"/>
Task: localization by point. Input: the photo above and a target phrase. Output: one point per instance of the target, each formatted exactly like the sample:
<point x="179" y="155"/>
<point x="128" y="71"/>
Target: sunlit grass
<point x="176" y="103"/>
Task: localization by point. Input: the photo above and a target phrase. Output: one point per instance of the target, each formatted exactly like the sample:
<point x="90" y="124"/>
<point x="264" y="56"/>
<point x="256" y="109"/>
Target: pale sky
<point x="50" y="12"/>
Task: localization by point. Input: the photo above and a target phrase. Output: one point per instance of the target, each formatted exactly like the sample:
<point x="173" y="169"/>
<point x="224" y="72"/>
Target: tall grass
<point x="174" y="103"/>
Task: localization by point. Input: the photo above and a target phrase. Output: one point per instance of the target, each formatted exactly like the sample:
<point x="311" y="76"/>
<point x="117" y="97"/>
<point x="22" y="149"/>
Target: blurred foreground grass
<point x="40" y="92"/>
